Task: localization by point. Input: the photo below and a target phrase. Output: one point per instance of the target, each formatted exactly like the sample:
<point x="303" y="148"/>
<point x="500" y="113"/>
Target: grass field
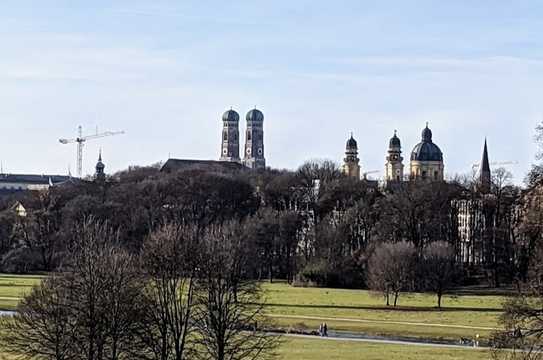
<point x="307" y="349"/>
<point x="353" y="310"/>
<point x="13" y="287"/>
<point x="316" y="349"/>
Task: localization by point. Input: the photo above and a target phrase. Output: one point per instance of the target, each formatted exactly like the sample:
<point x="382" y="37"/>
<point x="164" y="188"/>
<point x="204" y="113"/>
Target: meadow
<point x="13" y="287"/>
<point x="316" y="349"/>
<point x="462" y="315"/>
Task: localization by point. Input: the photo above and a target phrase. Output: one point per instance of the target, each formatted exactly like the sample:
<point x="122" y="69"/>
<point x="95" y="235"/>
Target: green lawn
<point x="356" y="310"/>
<point x="315" y="349"/>
<point x="308" y="349"/>
<point x="351" y="310"/>
<point x="13" y="287"/>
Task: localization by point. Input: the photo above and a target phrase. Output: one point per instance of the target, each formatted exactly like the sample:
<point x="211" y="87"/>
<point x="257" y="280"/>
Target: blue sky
<point x="165" y="71"/>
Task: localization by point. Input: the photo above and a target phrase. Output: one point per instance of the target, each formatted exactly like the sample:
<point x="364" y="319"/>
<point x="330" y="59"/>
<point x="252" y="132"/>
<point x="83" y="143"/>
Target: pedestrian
<point x="325" y="329"/>
<point x="321" y="330"/>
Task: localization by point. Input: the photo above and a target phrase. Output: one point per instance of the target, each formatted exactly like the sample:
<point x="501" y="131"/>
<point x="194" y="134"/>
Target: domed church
<point x="427" y="159"/>
<point x="230" y="160"/>
<point x="254" y="140"/>
<point x="230" y="137"/>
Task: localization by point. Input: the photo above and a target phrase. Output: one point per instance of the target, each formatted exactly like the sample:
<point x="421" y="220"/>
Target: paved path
<point x="388" y="342"/>
<point x="302" y="317"/>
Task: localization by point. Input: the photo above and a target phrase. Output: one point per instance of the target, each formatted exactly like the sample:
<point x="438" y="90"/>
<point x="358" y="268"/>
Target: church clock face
<point x="259" y="151"/>
<point x="249" y="151"/>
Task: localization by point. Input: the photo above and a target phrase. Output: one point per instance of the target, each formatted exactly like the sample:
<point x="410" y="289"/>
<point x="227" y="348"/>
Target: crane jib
<point x="80" y="140"/>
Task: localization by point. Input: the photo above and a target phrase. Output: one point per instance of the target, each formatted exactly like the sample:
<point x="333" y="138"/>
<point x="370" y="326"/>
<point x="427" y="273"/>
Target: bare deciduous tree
<point x="228" y="302"/>
<point x="169" y="261"/>
<point x="438" y="268"/>
<point x="91" y="310"/>
<point x="391" y="269"/>
<point x="522" y="319"/>
<point x="43" y="326"/>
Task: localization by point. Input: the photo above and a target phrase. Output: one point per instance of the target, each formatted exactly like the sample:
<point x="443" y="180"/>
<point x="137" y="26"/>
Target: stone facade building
<point x="394" y="164"/>
<point x="351" y="162"/>
<point x="229" y="159"/>
<point x="230" y="137"/>
<point x="427" y="159"/>
<point x="477" y="218"/>
<point x="254" y="140"/>
<point x="253" y="157"/>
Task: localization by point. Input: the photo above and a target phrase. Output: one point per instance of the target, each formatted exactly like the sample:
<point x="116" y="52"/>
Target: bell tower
<point x="351" y="163"/>
<point x="100" y="175"/>
<point x="230" y="137"/>
<point x="254" y="141"/>
<point x="394" y="164"/>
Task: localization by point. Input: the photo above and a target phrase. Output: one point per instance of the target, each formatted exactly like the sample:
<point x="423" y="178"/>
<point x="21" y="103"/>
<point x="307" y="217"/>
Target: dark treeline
<point x="313" y="226"/>
<point x="158" y="265"/>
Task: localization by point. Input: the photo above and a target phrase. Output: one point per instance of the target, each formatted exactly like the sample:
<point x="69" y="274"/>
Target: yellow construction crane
<point x="80" y="140"/>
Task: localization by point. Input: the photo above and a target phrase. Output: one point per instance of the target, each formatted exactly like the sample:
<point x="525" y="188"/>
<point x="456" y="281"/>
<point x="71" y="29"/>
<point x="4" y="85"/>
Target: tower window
<point x="436" y="174"/>
<point x="225" y="136"/>
<point x="248" y="136"/>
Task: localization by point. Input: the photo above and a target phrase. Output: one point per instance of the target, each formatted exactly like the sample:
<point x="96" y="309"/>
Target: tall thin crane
<point x="80" y="140"/>
<point x="496" y="163"/>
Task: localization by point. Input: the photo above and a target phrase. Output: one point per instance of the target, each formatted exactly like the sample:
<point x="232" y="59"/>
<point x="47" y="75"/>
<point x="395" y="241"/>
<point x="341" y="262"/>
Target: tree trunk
<point x="270" y="271"/>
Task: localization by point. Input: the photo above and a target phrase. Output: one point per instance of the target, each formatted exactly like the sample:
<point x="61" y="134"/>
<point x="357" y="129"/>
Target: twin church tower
<point x="254" y="139"/>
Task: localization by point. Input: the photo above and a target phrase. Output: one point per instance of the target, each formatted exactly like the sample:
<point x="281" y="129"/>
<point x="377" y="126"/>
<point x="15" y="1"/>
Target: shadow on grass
<point x="386" y="308"/>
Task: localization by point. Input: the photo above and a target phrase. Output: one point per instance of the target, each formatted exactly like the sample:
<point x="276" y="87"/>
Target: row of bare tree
<point x="185" y="296"/>
<point x="397" y="267"/>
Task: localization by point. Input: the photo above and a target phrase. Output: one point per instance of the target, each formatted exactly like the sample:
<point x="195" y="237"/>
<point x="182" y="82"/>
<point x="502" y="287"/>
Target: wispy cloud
<point x="444" y="63"/>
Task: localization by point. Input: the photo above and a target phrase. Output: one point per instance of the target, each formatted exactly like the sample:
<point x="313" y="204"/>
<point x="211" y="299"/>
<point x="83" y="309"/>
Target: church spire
<point x="100" y="175"/>
<point x="485" y="175"/>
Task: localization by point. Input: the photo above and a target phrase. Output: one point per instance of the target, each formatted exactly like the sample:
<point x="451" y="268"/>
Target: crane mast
<point x="80" y="140"/>
<point x="80" y="143"/>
